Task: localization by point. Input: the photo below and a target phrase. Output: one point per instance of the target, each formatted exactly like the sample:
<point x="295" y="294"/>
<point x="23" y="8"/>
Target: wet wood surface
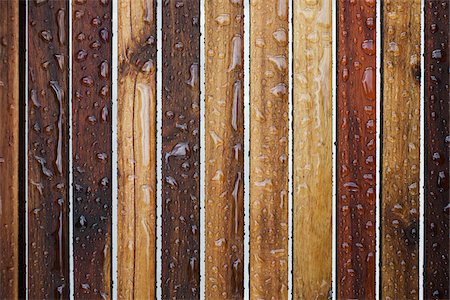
<point x="9" y="149"/>
<point x="401" y="150"/>
<point x="312" y="150"/>
<point x="224" y="159"/>
<point x="269" y="125"/>
<point x="48" y="257"/>
<point x="136" y="149"/>
<point x="437" y="139"/>
<point x="92" y="140"/>
<point x="356" y="154"/>
<point x="181" y="150"/>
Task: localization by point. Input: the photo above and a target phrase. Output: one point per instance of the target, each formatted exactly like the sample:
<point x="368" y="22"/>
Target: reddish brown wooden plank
<point x="9" y="149"/>
<point x="91" y="83"/>
<point x="356" y="157"/>
<point x="180" y="150"/>
<point x="437" y="142"/>
<point x="224" y="159"/>
<point x="48" y="243"/>
<point x="136" y="140"/>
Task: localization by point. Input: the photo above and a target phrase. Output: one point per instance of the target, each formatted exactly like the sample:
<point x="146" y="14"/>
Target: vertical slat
<point x="180" y="150"/>
<point x="48" y="242"/>
<point x="437" y="141"/>
<point x="356" y="157"/>
<point x="224" y="136"/>
<point x="401" y="147"/>
<point x="91" y="104"/>
<point x="269" y="149"/>
<point x="9" y="149"/>
<point x="136" y="149"/>
<point x="312" y="149"/>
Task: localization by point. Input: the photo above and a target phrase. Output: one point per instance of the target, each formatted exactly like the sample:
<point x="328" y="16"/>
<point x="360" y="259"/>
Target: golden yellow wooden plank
<point x="269" y="111"/>
<point x="136" y="149"/>
<point x="224" y="159"/>
<point x="312" y="149"/>
<point x="401" y="150"/>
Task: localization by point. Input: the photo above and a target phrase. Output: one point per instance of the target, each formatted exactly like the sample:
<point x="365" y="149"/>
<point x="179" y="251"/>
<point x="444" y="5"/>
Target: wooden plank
<point x="224" y="139"/>
<point x="437" y="139"/>
<point x="401" y="150"/>
<point x="269" y="125"/>
<point x="136" y="149"/>
<point x="92" y="174"/>
<point x="356" y="154"/>
<point x="181" y="150"/>
<point x="9" y="149"/>
<point x="312" y="150"/>
<point x="48" y="243"/>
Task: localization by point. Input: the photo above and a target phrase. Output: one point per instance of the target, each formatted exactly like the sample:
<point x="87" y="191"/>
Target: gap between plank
<point x="422" y="153"/>
<point x="378" y="172"/>
<point x="246" y="149"/>
<point x="26" y="149"/>
<point x="290" y="147"/>
<point x="334" y="146"/>
<point x="159" y="101"/>
<point x="70" y="187"/>
<point x="202" y="150"/>
<point x="114" y="184"/>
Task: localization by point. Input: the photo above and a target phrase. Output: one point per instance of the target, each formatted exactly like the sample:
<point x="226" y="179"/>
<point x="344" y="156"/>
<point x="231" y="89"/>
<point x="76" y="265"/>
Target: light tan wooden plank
<point x="312" y="149"/>
<point x="136" y="149"/>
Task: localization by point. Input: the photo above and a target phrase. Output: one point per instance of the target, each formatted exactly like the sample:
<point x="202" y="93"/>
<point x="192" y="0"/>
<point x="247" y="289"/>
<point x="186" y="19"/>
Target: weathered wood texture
<point x="356" y="153"/>
<point x="269" y="111"/>
<point x="48" y="244"/>
<point x="401" y="150"/>
<point x="437" y="141"/>
<point x="92" y="141"/>
<point x="312" y="150"/>
<point x="136" y="149"/>
<point x="224" y="159"/>
<point x="181" y="150"/>
<point x="9" y="149"/>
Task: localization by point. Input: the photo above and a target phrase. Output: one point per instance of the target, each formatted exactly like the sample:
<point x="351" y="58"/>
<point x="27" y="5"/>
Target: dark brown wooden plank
<point x="224" y="159"/>
<point x="181" y="143"/>
<point x="48" y="259"/>
<point x="91" y="104"/>
<point x="400" y="156"/>
<point x="437" y="142"/>
<point x="356" y="157"/>
<point x="9" y="149"/>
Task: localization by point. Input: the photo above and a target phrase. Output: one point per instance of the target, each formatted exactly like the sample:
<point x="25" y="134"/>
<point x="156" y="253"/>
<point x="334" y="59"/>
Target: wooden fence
<point x="224" y="149"/>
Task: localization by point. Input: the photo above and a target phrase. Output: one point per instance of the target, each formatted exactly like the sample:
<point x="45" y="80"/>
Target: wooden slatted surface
<point x="136" y="149"/>
<point x="437" y="139"/>
<point x="269" y="149"/>
<point x="180" y="150"/>
<point x="92" y="174"/>
<point x="401" y="150"/>
<point x="48" y="259"/>
<point x="356" y="150"/>
<point x="224" y="159"/>
<point x="9" y="149"/>
<point x="312" y="147"/>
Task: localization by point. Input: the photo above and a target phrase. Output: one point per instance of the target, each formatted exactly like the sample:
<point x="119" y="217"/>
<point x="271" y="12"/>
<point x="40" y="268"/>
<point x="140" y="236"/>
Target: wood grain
<point x="48" y="257"/>
<point x="312" y="150"/>
<point x="181" y="150"/>
<point x="92" y="174"/>
<point x="136" y="149"/>
<point x="356" y="151"/>
<point x="269" y="125"/>
<point x="401" y="150"/>
<point x="9" y="149"/>
<point x="224" y="139"/>
<point x="437" y="142"/>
